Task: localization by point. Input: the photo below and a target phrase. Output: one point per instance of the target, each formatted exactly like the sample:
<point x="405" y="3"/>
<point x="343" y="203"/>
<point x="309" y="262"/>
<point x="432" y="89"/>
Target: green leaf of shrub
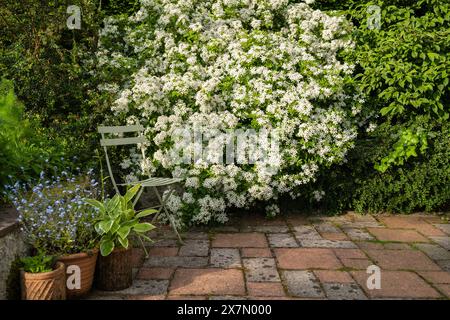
<point x="96" y="204"/>
<point x="132" y="192"/>
<point x="123" y="242"/>
<point x="106" y="247"/>
<point x="105" y="226"/>
<point x="123" y="232"/>
<point x="146" y="213"/>
<point x="143" y="227"/>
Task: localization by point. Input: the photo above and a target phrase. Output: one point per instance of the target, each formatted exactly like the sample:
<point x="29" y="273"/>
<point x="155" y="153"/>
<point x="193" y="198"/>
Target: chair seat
<point x="154" y="182"/>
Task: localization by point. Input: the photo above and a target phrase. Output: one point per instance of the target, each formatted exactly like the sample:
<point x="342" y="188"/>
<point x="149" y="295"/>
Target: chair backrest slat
<point x="120" y="129"/>
<point x="122" y="141"/>
<point x="118" y="141"/>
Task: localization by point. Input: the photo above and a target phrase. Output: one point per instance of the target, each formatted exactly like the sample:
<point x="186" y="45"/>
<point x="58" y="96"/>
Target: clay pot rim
<point x="80" y="255"/>
<point x="60" y="267"/>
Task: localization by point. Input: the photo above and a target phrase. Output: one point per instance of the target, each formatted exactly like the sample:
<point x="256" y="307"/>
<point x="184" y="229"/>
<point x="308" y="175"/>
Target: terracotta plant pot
<point x="44" y="286"/>
<point x="115" y="272"/>
<point x="86" y="261"/>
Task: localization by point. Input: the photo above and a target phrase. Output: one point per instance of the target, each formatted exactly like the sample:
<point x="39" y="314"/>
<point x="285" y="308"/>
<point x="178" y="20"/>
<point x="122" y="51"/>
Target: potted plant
<point x="118" y="222"/>
<point x="42" y="278"/>
<point x="55" y="219"/>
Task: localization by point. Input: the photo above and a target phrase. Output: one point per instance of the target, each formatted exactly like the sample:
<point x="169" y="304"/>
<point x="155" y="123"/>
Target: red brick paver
<point x="369" y="245"/>
<point x="400" y="235"/>
<point x="265" y="289"/>
<point x="176" y="297"/>
<point x="357" y="264"/>
<point x="433" y="219"/>
<point x="327" y="276"/>
<point x="397" y="246"/>
<point x="402" y="260"/>
<point x="137" y="257"/>
<point x="256" y="253"/>
<point x="315" y="257"/>
<point x="207" y="281"/>
<point x="436" y="276"/>
<point x="350" y="254"/>
<point x="412" y="222"/>
<point x="307" y="258"/>
<point x="445" y="289"/>
<point x="145" y="297"/>
<point x="163" y="251"/>
<point x="155" y="273"/>
<point x="397" y="284"/>
<point x="240" y="240"/>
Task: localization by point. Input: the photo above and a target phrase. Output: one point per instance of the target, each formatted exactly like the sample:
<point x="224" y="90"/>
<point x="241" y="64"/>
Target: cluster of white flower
<point x="228" y="64"/>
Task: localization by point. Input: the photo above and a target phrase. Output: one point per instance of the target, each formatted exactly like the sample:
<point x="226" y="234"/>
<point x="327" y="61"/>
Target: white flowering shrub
<point x="225" y="65"/>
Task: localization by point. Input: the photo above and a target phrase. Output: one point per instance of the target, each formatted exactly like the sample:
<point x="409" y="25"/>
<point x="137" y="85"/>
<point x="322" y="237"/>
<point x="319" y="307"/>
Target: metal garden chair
<point x="151" y="182"/>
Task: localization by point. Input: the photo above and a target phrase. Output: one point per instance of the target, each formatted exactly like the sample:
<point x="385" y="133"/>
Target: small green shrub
<point x="118" y="221"/>
<point x="404" y="70"/>
<point x="400" y="162"/>
<point x="38" y="263"/>
<point x="422" y="184"/>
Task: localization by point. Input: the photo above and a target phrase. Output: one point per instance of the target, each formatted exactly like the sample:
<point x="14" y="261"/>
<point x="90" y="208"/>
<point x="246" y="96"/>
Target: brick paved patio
<point x="297" y="257"/>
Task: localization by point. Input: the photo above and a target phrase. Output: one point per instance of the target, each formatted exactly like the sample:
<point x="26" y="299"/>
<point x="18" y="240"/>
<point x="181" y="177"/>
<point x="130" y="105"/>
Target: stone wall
<point x="12" y="247"/>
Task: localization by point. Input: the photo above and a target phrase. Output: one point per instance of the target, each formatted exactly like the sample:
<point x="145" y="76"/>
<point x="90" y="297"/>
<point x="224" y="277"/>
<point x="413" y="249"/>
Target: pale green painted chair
<point x="151" y="182"/>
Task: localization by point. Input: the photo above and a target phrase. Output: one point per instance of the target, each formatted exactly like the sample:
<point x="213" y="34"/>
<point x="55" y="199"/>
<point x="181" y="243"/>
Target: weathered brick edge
<point x="12" y="247"/>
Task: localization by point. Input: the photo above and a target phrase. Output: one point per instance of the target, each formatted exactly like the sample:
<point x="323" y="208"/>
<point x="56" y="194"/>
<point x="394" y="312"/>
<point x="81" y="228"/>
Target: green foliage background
<point x="53" y="127"/>
<point x="42" y="58"/>
<point x="403" y="69"/>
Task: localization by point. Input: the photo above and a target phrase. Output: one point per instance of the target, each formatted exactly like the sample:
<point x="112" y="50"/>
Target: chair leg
<point x="169" y="216"/>
<point x="157" y="213"/>
<point x="143" y="246"/>
<point x="138" y="196"/>
<point x="174" y="227"/>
